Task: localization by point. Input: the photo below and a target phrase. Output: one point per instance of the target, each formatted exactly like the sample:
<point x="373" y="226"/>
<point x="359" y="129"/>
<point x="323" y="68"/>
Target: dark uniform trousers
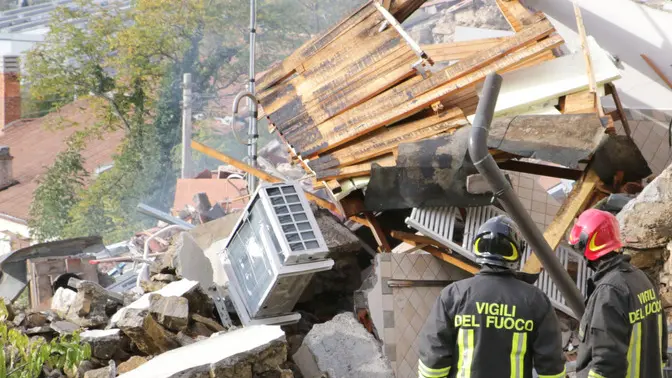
<point x="623" y="332"/>
<point x="490" y="326"/>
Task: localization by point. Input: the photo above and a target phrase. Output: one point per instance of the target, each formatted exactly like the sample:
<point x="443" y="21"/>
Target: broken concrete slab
<point x="104" y="343"/>
<point x="133" y="363"/>
<point x="429" y="173"/>
<point x="337" y="237"/>
<point x="145" y="332"/>
<point x="237" y="354"/>
<point x="342" y="347"/>
<point x="564" y="139"/>
<point x="173" y="289"/>
<point x="170" y="312"/>
<point x="645" y="221"/>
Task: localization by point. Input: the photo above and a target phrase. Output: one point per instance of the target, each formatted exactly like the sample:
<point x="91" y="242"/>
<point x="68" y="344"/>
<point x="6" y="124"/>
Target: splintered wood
<point x="347" y="99"/>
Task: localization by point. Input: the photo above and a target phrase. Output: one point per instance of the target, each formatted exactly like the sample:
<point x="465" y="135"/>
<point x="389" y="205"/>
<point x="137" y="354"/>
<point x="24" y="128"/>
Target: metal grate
<point x="446" y="225"/>
<point x="292" y="217"/>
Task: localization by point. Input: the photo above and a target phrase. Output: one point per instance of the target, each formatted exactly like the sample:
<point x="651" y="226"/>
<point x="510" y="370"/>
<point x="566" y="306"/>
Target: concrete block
<point x="145" y="332"/>
<point x="173" y="289"/>
<point x="342" y="348"/>
<point x="170" y="312"/>
<point x="237" y="354"/>
<point x="104" y="343"/>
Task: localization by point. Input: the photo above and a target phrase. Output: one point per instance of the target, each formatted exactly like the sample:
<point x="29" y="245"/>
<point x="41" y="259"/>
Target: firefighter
<point x="622" y="333"/>
<point x="494" y="324"/>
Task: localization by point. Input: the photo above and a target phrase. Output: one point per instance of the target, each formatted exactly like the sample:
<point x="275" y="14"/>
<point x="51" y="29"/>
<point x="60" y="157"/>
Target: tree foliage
<point x="132" y="63"/>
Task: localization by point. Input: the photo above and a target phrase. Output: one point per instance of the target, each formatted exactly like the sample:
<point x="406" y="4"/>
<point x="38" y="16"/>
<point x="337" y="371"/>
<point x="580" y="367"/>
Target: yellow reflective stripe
<point x="593" y="374"/>
<point x="563" y="374"/>
<point x="634" y="352"/>
<point x="426" y="372"/>
<point x="518" y="350"/>
<point x="660" y="343"/>
<point x="465" y="346"/>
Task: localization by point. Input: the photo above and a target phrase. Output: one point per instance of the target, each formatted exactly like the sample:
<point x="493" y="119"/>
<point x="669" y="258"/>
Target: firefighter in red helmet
<point x="623" y="332"/>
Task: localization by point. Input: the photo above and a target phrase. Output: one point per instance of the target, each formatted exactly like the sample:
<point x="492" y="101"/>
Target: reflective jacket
<point x="622" y="332"/>
<point x="489" y="326"/>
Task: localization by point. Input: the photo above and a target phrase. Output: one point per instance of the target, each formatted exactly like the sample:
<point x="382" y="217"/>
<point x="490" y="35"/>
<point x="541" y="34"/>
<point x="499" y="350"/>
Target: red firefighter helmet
<point x="596" y="233"/>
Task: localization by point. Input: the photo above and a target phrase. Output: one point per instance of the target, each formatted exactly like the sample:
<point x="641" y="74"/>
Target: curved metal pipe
<point x="252" y="134"/>
<point x="486" y="165"/>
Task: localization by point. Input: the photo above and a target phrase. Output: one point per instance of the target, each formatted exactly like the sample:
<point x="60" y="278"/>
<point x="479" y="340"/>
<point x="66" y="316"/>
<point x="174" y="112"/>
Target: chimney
<point x="6" y="174"/>
<point x="10" y="90"/>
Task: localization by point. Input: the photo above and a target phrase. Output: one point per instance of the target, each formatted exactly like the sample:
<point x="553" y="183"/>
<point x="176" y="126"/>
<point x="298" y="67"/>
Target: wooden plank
<point x="407" y="236"/>
<point x="436" y="252"/>
<point x="357" y="170"/>
<point x="414" y="95"/>
<point x="541" y="169"/>
<point x="378" y="234"/>
<point x="334" y="38"/>
<point x="346" y="92"/>
<point x="417" y="86"/>
<point x="657" y="70"/>
<point x="515" y="14"/>
<point x="573" y="206"/>
<point x="366" y="53"/>
<point x="579" y="102"/>
<point x="589" y="63"/>
<point x="611" y="89"/>
<point x="388" y="139"/>
<point x="256" y="172"/>
<point x="444" y="52"/>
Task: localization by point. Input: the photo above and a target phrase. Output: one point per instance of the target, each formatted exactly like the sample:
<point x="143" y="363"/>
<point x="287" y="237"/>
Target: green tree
<point x="132" y="63"/>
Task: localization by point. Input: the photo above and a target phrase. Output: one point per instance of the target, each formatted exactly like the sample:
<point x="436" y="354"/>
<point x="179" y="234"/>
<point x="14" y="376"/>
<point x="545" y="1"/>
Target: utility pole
<point x="186" y="127"/>
<point x="253" y="133"/>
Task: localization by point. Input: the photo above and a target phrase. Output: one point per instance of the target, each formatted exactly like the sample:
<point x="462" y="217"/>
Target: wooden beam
<point x="378" y="234"/>
<point x="541" y="169"/>
<point x="407" y="236"/>
<point x="578" y="103"/>
<point x="589" y="63"/>
<point x="387" y="140"/>
<point x="415" y="95"/>
<point x="657" y="70"/>
<point x="436" y="252"/>
<point x="576" y="202"/>
<point x="357" y="170"/>
<point x="611" y="89"/>
<point x="211" y="152"/>
<point x="444" y="52"/>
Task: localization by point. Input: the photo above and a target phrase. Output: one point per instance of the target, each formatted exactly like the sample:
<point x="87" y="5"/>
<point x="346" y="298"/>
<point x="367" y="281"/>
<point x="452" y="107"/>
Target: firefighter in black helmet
<point x="493" y="325"/>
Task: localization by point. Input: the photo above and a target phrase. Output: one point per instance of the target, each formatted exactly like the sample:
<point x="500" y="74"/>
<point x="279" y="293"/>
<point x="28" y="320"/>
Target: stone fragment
<point x="174" y="289"/>
<point x="104" y="343"/>
<point x="244" y="353"/>
<point x="342" y="347"/>
<point x="35" y="319"/>
<point x="170" y="312"/>
<point x="210" y="323"/>
<point x="145" y="332"/>
<point x="106" y="372"/>
<point x="133" y="363"/>
<point x="645" y="221"/>
<point x="64" y="327"/>
<point x="167" y="278"/>
<point x="62" y="300"/>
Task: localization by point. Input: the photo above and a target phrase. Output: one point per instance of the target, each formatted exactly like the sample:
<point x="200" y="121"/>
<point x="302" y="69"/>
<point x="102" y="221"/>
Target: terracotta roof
<point x="218" y="190"/>
<point x="34" y="148"/>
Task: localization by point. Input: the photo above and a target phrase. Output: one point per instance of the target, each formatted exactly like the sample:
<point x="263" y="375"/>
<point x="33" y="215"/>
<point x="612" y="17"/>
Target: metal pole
<point x="186" y="126"/>
<point x="253" y="134"/>
<point x="486" y="165"/>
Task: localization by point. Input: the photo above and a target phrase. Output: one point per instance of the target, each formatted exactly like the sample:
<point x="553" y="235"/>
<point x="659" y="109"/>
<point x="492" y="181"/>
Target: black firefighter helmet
<point x="499" y="243"/>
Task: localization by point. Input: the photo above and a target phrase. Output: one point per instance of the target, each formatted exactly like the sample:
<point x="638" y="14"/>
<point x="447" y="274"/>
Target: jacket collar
<point x="488" y="270"/>
<point x="620" y="262"/>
